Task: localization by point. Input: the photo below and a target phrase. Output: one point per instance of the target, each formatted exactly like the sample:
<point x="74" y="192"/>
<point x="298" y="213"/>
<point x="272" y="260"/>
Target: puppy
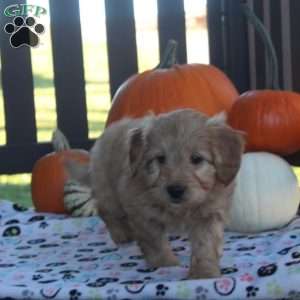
<point x="166" y="173"/>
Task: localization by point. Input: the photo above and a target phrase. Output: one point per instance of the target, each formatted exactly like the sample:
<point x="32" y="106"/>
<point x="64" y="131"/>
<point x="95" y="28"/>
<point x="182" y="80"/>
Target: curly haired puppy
<point x="163" y="173"/>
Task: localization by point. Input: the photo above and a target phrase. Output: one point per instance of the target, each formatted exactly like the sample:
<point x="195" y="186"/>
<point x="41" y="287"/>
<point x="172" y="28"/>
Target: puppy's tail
<point x="78" y="171"/>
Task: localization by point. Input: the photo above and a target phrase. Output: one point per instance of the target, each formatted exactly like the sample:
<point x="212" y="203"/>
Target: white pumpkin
<point x="266" y="196"/>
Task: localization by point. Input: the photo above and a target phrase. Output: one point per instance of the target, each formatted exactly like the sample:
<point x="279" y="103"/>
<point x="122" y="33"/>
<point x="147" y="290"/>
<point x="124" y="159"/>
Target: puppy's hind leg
<point x="113" y="215"/>
<point x="117" y="225"/>
<point x="154" y="245"/>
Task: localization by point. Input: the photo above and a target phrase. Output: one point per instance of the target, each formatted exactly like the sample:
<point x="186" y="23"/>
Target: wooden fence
<point x="232" y="48"/>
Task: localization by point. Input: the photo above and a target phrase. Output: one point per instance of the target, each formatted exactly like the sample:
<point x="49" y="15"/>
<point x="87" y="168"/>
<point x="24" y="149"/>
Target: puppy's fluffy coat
<point x="162" y="173"/>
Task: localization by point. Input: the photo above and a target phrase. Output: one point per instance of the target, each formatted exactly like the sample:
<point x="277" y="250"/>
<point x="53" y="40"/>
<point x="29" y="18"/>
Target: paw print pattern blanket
<point x="44" y="256"/>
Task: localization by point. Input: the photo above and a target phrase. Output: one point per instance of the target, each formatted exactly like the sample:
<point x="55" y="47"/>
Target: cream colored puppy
<point x="166" y="173"/>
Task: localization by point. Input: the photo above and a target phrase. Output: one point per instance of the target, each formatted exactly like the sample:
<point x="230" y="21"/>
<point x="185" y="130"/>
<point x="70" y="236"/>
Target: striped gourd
<point x="78" y="199"/>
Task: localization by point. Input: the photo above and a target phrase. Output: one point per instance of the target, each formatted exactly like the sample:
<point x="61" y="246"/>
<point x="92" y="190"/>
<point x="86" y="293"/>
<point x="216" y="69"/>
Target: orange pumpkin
<point x="171" y="86"/>
<point x="270" y="118"/>
<point x="49" y="175"/>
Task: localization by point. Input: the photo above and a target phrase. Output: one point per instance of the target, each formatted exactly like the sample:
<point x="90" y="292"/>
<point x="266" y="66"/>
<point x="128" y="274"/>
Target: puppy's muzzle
<point x="176" y="192"/>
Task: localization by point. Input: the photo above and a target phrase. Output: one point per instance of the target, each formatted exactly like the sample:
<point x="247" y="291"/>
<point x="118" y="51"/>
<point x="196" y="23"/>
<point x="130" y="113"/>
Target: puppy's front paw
<point x="158" y="261"/>
<point x="120" y="237"/>
<point x="204" y="273"/>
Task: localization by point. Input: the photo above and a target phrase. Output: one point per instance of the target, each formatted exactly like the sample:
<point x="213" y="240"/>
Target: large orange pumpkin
<point x="171" y="86"/>
<point x="49" y="175"/>
<point x="270" y="118"/>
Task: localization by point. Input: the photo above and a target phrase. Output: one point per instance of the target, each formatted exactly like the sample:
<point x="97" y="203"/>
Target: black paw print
<point x="74" y="294"/>
<point x="201" y="293"/>
<point x="43" y="225"/>
<point x="112" y="294"/>
<point x="161" y="290"/>
<point x="24" y="32"/>
<point x="251" y="291"/>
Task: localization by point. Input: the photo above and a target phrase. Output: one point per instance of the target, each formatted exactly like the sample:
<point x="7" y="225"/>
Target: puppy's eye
<point x="196" y="159"/>
<point x="161" y="159"/>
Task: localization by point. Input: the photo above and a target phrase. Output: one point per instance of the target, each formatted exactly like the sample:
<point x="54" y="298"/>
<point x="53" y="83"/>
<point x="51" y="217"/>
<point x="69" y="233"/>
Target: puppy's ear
<point x="218" y="119"/>
<point x="78" y="171"/>
<point x="136" y="147"/>
<point x="227" y="146"/>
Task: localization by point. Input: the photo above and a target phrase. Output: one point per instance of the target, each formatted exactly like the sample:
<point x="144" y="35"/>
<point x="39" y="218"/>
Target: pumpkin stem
<point x="169" y="56"/>
<point x="59" y="141"/>
<point x="266" y="38"/>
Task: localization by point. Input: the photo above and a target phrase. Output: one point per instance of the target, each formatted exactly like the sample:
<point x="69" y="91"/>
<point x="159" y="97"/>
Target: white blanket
<point x="44" y="256"/>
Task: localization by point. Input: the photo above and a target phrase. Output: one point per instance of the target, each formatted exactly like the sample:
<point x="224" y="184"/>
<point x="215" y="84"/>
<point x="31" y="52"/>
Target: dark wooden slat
<point x="237" y="66"/>
<point x="17" y="85"/>
<point x="121" y="41"/>
<point x="216" y="38"/>
<point x="171" y="25"/>
<point x="21" y="158"/>
<point x="275" y="14"/>
<point x="259" y="49"/>
<point x="251" y="50"/>
<point x="295" y="42"/>
<point x="228" y="40"/>
<point x="286" y="45"/>
<point x="68" y="69"/>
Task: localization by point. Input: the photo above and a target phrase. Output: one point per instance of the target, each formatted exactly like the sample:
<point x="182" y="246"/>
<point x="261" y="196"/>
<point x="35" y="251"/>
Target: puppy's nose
<point x="176" y="191"/>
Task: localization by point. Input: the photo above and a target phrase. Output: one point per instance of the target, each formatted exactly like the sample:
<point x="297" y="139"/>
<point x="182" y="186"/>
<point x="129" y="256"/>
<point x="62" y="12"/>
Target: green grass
<point x="297" y="172"/>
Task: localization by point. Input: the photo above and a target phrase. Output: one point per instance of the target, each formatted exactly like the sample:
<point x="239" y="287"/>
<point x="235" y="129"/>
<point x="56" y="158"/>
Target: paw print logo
<point x="74" y="294"/>
<point x="161" y="290"/>
<point x="24" y="32"/>
<point x="251" y="291"/>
